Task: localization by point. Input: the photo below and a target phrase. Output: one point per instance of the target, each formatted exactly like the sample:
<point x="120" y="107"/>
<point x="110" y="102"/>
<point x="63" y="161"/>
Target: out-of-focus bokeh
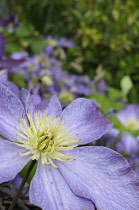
<point x="105" y="34"/>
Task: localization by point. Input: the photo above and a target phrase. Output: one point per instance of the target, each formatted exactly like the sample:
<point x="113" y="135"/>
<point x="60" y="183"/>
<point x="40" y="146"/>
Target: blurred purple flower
<point x="86" y="177"/>
<point x="2" y="45"/>
<point x="128" y="145"/>
<point x="11" y="19"/>
<point x="129" y="117"/>
<point x="52" y="42"/>
<point x="110" y="137"/>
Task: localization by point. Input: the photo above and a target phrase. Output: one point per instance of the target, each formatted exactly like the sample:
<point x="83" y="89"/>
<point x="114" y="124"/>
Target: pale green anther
<point x="41" y="146"/>
<point x="51" y="42"/>
<point x="48" y="148"/>
<point x="132" y="124"/>
<point x="40" y="132"/>
<point x="31" y="69"/>
<point x="42" y="139"/>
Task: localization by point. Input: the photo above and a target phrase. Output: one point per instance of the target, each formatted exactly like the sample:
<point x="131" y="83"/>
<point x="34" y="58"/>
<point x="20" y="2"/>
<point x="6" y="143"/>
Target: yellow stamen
<point x="45" y="137"/>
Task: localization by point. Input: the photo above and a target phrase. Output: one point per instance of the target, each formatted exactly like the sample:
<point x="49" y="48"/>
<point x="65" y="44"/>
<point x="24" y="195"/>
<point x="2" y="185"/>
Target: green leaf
<point x="35" y="80"/>
<point x="47" y="95"/>
<point x="36" y="44"/>
<point x="117" y="124"/>
<point x="66" y="97"/>
<point x="85" y="41"/>
<point x="134" y="133"/>
<point x="114" y="93"/>
<point x="23" y="31"/>
<point x="104" y="103"/>
<point x="12" y="47"/>
<point x="18" y="80"/>
<point x="126" y="85"/>
<point x="23" y="172"/>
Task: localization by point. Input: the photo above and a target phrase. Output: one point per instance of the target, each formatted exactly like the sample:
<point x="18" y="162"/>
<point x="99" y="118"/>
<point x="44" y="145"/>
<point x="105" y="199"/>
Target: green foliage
<point x="104" y="103"/>
<point x="105" y="33"/>
<point x="126" y="85"/>
<point x="114" y="94"/>
<point x="23" y="38"/>
<point x="18" y="80"/>
<point x="24" y="170"/>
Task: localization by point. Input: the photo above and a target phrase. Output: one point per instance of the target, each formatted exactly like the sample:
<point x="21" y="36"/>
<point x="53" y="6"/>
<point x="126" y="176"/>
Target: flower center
<point x="132" y="124"/>
<point x="51" y="42"/>
<point x="45" y="138"/>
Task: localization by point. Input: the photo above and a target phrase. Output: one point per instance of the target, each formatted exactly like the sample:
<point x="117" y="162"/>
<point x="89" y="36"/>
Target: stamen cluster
<point x="45" y="137"/>
<point x="132" y="124"/>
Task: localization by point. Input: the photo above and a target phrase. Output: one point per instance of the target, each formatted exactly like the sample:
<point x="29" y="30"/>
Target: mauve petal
<point x="27" y="101"/>
<point x="63" y="42"/>
<point x="2" y="45"/>
<point x="83" y="119"/>
<point x="8" y="128"/>
<point x="9" y="63"/>
<point x="36" y="99"/>
<point x="11" y="110"/>
<point x="49" y="190"/>
<point x="54" y="107"/>
<point x="3" y="76"/>
<point x="102" y="175"/>
<point x="17" y="182"/>
<point x="129" y="112"/>
<point x="43" y="104"/>
<point x="110" y="136"/>
<point x="10" y="103"/>
<point x="128" y="144"/>
<point x="19" y="55"/>
<point x="13" y="87"/>
<point x="10" y="162"/>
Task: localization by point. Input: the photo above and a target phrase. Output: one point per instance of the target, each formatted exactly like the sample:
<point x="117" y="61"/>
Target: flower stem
<point x="22" y="184"/>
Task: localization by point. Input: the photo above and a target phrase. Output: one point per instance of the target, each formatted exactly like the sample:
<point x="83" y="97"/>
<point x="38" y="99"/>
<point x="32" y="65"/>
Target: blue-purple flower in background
<point x="67" y="176"/>
<point x="129" y="117"/>
<point x="53" y="42"/>
<point x="128" y="145"/>
<point x="11" y="22"/>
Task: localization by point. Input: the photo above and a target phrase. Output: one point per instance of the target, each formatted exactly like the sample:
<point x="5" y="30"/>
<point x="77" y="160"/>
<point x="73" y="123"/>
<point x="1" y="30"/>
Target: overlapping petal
<point x="83" y="119"/>
<point x="8" y="63"/>
<point x="49" y="190"/>
<point x="54" y="107"/>
<point x="10" y="162"/>
<point x="27" y="101"/>
<point x="102" y="175"/>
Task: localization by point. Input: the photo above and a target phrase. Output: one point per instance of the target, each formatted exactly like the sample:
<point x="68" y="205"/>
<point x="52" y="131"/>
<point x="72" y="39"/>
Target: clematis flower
<point x="9" y="23"/>
<point x="67" y="176"/>
<point x="129" y="117"/>
<point x="52" y="42"/>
